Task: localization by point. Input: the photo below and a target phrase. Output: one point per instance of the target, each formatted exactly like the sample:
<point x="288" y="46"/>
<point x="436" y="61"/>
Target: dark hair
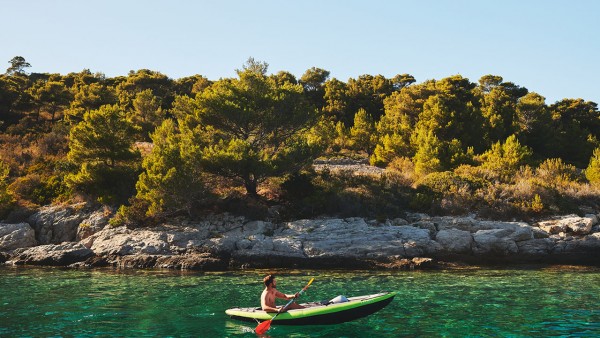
<point x="268" y="279"/>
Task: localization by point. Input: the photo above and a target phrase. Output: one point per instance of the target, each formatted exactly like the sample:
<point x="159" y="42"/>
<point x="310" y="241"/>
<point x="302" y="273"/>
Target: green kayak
<point x="318" y="313"/>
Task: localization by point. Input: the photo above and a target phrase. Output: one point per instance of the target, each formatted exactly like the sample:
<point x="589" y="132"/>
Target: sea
<point x="521" y="301"/>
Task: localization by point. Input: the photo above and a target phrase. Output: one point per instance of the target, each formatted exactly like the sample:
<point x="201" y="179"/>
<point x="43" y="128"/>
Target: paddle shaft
<point x="288" y="304"/>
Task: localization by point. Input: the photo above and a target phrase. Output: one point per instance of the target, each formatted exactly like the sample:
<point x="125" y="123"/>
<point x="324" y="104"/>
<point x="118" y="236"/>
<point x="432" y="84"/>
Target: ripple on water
<point x="501" y="302"/>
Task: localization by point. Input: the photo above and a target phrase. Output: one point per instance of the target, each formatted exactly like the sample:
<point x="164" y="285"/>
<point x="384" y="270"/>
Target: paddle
<point x="266" y="325"/>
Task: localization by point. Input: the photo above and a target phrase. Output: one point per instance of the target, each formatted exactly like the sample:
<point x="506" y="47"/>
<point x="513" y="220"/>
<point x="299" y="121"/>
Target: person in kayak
<point x="270" y="293"/>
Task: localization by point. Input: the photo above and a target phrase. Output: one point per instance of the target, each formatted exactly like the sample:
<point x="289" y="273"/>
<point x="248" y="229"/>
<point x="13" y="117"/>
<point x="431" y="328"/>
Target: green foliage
<point x="38" y="189"/>
<point x="6" y="197"/>
<point x="17" y="66"/>
<point x="313" y="81"/>
<point x="257" y="129"/>
<point x="147" y="113"/>
<point x="50" y="96"/>
<point x="262" y="128"/>
<point x="505" y="158"/>
<point x="133" y="215"/>
<point x="592" y="172"/>
<point x="101" y="147"/>
<point x="389" y="148"/>
<point x="161" y="85"/>
<point x="555" y="173"/>
<point x="170" y="180"/>
<point x="88" y="97"/>
<point x="362" y="132"/>
<point x="427" y="157"/>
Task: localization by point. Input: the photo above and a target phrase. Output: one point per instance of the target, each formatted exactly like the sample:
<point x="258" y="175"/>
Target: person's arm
<point x="267" y="308"/>
<point x="284" y="296"/>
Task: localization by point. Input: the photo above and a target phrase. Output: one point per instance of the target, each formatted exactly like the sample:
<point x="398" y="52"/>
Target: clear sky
<point x="548" y="46"/>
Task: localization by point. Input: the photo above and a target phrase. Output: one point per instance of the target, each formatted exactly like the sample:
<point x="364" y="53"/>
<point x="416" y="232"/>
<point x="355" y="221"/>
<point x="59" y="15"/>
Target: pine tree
<point x="169" y="181"/>
<point x="592" y="172"/>
<point x="506" y="158"/>
<point x="362" y="133"/>
<point x="101" y="147"/>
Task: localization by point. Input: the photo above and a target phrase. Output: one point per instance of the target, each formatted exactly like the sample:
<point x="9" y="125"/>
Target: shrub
<point x="403" y="169"/>
<point x="592" y="172"/>
<point x="555" y="173"/>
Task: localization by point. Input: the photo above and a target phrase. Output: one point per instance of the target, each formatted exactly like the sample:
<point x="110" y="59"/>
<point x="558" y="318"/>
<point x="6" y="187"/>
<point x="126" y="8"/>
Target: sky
<point x="550" y="47"/>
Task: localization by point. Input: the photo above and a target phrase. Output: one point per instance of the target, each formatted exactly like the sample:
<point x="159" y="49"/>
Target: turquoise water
<point x="478" y="303"/>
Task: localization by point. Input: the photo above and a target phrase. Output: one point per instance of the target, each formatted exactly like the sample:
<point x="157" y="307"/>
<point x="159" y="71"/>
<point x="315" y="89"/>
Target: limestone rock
<point x="57" y="224"/>
<point x="122" y="241"/>
<point x="571" y="223"/>
<point x="455" y="241"/>
<point x="53" y="254"/>
<point x="95" y="222"/>
<point x="495" y="241"/>
<point x="13" y="236"/>
<point x="536" y="247"/>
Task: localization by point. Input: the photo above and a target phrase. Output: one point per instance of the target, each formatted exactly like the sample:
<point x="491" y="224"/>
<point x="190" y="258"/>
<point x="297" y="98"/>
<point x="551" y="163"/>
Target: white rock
<point x="13" y="236"/>
<point x="494" y="241"/>
<point x="455" y="241"/>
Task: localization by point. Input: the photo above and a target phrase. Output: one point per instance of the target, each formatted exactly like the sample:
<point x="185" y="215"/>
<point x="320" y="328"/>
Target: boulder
<point x="495" y="241"/>
<point x="571" y="223"/>
<point x="194" y="261"/>
<point x="4" y="257"/>
<point x="122" y="241"/>
<point x="95" y="222"/>
<point x="14" y="236"/>
<point x="455" y="241"/>
<point x="536" y="247"/>
<point x="52" y="254"/>
<point x="57" y="224"/>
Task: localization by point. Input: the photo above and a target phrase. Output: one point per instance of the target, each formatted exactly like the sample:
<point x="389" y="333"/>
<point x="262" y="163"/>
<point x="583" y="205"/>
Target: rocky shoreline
<point x="78" y="236"/>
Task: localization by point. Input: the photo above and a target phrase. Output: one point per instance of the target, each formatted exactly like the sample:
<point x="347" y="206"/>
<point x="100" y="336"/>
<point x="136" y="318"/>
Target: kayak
<point x="319" y="313"/>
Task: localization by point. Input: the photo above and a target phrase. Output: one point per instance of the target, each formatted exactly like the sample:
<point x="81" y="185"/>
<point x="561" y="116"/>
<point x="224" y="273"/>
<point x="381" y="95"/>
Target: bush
<point x="37" y="189"/>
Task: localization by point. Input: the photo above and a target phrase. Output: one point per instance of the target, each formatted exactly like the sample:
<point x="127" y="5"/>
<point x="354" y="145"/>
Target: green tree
<point x="505" y="158"/>
<point x="394" y="129"/>
<point x="101" y="147"/>
<point x="592" y="172"/>
<point x="313" y="81"/>
<point x="162" y="87"/>
<point x="6" y="197"/>
<point x="17" y="66"/>
<point x="88" y="97"/>
<point x="170" y="180"/>
<point x="388" y="148"/>
<point x="191" y="85"/>
<point x="402" y="80"/>
<point x="535" y="125"/>
<point x="368" y="92"/>
<point x="282" y="77"/>
<point x="336" y="101"/>
<point x="362" y="132"/>
<point x="147" y="113"/>
<point x="261" y="127"/>
<point x="50" y="96"/>
<point x="427" y="156"/>
<point x="576" y="128"/>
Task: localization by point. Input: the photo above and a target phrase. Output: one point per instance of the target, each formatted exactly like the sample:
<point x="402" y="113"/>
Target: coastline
<point x="78" y="236"/>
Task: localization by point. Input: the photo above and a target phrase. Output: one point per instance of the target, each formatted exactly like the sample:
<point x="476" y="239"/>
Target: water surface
<point x="457" y="303"/>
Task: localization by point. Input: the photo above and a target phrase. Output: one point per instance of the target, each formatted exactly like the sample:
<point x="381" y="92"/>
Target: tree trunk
<point x="251" y="186"/>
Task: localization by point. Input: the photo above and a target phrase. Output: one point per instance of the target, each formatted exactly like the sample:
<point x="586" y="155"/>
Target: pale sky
<point x="548" y="46"/>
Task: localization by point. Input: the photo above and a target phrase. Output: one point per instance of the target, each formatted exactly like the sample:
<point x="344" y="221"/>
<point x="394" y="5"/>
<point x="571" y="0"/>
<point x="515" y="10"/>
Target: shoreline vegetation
<point x="144" y="151"/>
